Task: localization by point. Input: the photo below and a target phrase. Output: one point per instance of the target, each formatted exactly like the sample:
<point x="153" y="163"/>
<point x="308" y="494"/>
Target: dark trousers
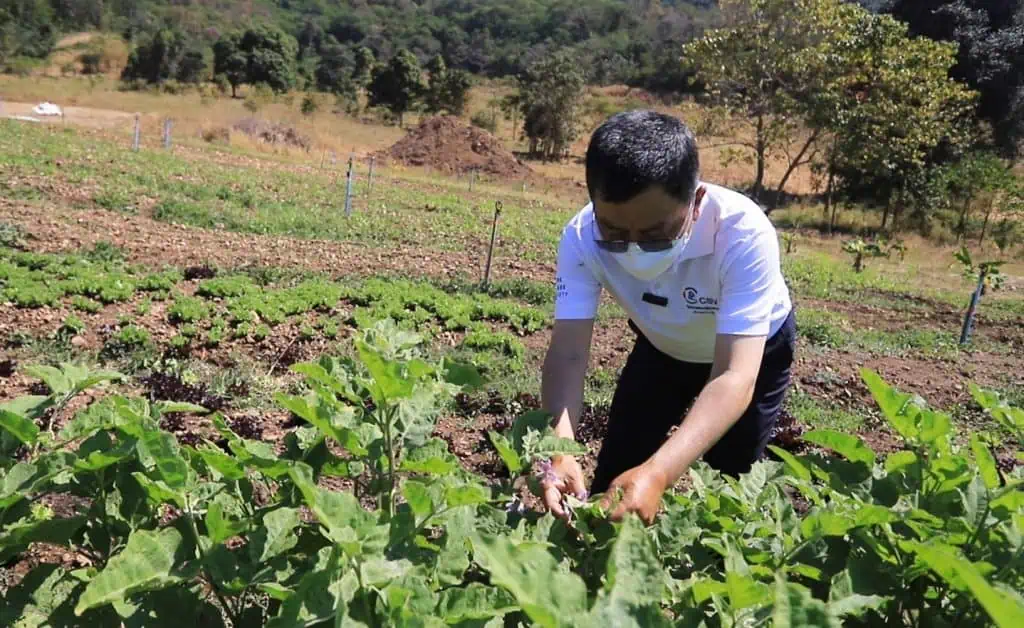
<point x="655" y="391"/>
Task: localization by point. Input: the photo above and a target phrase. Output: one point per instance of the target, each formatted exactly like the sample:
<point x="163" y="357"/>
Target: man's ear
<point x="698" y="197"/>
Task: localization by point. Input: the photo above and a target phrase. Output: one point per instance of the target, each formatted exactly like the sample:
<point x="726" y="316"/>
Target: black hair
<point x="634" y="150"/>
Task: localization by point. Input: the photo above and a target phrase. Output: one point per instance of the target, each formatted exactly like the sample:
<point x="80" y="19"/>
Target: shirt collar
<point x="702" y="239"/>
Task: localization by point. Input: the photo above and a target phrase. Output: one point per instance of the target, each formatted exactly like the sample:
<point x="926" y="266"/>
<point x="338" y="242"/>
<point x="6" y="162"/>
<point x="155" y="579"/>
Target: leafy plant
<point x="187" y="310"/>
<point x="233" y="529"/>
<point x="860" y="249"/>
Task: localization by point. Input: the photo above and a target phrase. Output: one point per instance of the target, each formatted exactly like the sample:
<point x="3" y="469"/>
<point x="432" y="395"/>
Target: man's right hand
<point x="566" y="478"/>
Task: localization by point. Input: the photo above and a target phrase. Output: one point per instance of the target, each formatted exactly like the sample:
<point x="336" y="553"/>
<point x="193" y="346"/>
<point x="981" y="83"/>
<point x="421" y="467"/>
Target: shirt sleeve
<point x="577" y="291"/>
<point x="749" y="286"/>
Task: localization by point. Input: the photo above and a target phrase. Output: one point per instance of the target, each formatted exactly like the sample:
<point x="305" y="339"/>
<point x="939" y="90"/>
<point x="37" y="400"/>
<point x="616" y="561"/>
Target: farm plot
<point x="292" y="432"/>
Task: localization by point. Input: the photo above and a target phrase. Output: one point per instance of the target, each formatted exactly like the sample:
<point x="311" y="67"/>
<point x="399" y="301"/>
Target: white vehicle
<point x="47" y="109"/>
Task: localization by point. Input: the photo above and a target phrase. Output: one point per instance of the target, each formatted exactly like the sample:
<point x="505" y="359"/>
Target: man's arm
<point x="565" y="368"/>
<point x="719" y="405"/>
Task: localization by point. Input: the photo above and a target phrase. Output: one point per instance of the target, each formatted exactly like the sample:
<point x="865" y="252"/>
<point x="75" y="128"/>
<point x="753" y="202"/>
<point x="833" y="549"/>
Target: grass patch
<point x="821" y="415"/>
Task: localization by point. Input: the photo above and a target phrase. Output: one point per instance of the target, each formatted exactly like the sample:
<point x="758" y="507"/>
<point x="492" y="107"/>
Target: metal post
<point x="490" y="249"/>
<point x="348" y="189"/>
<point x="369" y="182"/>
<point x="472" y="180"/>
<point x="137" y="136"/>
<point x="524" y="188"/>
<point x="965" y="333"/>
<point x="167" y="133"/>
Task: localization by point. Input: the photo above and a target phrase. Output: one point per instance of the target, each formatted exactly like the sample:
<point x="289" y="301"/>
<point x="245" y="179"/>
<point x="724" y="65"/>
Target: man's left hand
<point x="642" y="488"/>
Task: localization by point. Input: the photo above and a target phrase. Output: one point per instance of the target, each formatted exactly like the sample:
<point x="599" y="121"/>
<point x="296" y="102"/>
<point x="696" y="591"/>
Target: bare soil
<point x="448" y="144"/>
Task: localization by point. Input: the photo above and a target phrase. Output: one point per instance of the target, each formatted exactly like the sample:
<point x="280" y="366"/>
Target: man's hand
<point x="564" y="478"/>
<point x="642" y="488"/>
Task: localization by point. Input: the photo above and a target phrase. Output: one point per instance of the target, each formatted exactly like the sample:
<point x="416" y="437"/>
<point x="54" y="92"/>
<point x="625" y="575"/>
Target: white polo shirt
<point x="727" y="280"/>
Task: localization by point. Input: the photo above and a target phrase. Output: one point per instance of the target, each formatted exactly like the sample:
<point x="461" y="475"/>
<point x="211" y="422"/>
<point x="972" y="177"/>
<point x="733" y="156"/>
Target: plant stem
<point x="202" y="558"/>
<point x="387" y="424"/>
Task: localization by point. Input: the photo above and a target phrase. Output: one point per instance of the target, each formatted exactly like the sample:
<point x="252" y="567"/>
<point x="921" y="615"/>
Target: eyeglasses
<point x="648" y="246"/>
<point x="621" y="246"/>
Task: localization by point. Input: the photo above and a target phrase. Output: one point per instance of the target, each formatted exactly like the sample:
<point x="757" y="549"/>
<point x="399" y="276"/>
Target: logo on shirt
<point x="697" y="303"/>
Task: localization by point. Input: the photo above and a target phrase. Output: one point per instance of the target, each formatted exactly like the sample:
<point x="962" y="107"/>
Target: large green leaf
<point x="16" y="537"/>
<point x="896" y="406"/>
<point x="158" y="492"/>
<point x="793" y="464"/>
<point x="27" y="405"/>
<point x="390" y="383"/>
<point x="846" y="445"/>
<point x="23" y="429"/>
<point x="319" y="596"/>
<point x="795" y="607"/>
<point x="506" y="452"/>
<point x="221" y="528"/>
<point x="474" y="602"/>
<point x="1004" y="610"/>
<point x="432" y="458"/>
<point x="220" y="462"/>
<point x="844" y="599"/>
<point x="550" y="596"/>
<point x="986" y="462"/>
<point x="348" y="523"/>
<point x="277" y="535"/>
<point x="464" y="375"/>
<point x="43" y="598"/>
<point x="825" y="523"/>
<point x="145" y="564"/>
<point x="17" y="482"/>
<point x="175" y="606"/>
<point x="162" y="448"/>
<point x="634" y="571"/>
<point x="329" y="419"/>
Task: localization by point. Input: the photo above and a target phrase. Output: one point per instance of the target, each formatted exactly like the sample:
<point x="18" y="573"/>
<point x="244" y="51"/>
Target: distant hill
<point x="618" y="41"/>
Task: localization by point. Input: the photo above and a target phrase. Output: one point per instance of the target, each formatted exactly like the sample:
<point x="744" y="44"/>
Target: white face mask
<point x="648" y="265"/>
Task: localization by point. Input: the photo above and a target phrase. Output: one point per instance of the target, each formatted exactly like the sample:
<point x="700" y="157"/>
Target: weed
<point x="71" y="327"/>
<point x="83" y="304"/>
<point x="823" y="328"/>
<point x="105" y="252"/>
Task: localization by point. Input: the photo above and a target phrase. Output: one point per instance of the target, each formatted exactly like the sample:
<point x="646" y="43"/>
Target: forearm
<point x="719" y="405"/>
<point x="562" y="391"/>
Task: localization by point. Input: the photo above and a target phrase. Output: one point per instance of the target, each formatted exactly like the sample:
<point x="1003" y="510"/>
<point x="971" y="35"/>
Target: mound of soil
<point x="447" y="144"/>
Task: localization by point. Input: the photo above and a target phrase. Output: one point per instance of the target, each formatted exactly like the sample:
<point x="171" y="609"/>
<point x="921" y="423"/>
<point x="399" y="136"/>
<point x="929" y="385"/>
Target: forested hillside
<point x="618" y="40"/>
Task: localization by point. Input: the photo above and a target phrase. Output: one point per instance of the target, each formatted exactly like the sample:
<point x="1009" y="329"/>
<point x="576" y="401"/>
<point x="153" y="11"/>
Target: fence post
<point x="472" y="180"/>
<point x="167" y="133"/>
<point x="490" y="249"/>
<point x="369" y="182"/>
<point x="965" y="333"/>
<point x="348" y="188"/>
<point x="136" y="137"/>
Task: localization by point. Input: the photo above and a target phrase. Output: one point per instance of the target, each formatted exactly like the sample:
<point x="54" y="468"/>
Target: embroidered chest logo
<point x="697" y="303"/>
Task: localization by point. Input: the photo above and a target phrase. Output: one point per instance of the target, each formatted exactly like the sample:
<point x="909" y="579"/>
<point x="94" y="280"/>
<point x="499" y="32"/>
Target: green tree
<point x="271" y="53"/>
<point x="263" y="54"/>
<point x="27" y="29"/>
<point x="891" y="112"/>
<point x="335" y="67"/>
<point x="365" y="62"/>
<point x="397" y="84"/>
<point x="759" y="67"/>
<point x="230" y="62"/>
<point x="551" y="92"/>
<point x="165" y="56"/>
<point x="446" y="89"/>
